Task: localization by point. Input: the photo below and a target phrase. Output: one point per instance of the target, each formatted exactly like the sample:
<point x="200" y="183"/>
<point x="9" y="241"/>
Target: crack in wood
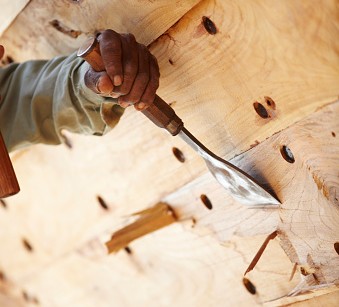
<point x="56" y="24"/>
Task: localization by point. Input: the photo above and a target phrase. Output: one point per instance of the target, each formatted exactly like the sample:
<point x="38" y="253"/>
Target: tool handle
<point x="8" y="182"/>
<point x="159" y="112"/>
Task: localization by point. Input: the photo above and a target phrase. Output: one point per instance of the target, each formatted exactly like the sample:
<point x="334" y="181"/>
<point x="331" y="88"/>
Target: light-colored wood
<point x="283" y="50"/>
<point x="322" y="297"/>
<point x="307" y="223"/>
<point x="9" y="11"/>
<point x="45" y="30"/>
<point x="326" y="300"/>
<point x="227" y="222"/>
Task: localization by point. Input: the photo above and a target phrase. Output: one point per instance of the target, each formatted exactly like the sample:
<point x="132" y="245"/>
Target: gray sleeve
<point x="40" y="98"/>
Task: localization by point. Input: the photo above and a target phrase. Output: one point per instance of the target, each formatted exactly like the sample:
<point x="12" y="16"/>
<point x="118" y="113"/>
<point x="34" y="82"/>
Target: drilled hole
<point x="128" y="250"/>
<point x="333" y="134"/>
<point x="102" y="203"/>
<point x="249" y="286"/>
<point x="25" y="296"/>
<point x="209" y="25"/>
<point x="35" y="301"/>
<point x="194" y="221"/>
<point x="27" y="245"/>
<point x="206" y="201"/>
<point x="304" y="271"/>
<point x="64" y="29"/>
<point x="7" y="60"/>
<point x="3" y="203"/>
<point x="287" y="154"/>
<point x="178" y="154"/>
<point x="270" y="102"/>
<point x="2" y="276"/>
<point x="260" y="109"/>
<point x="336" y="247"/>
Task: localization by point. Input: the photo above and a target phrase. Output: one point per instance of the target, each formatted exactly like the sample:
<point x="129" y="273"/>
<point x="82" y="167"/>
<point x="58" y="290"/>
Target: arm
<point x="40" y="98"/>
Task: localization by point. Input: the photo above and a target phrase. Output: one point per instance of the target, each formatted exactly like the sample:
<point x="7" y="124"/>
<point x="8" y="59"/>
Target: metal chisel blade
<point x="240" y="185"/>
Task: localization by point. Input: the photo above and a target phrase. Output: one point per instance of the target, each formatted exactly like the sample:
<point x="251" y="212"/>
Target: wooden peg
<point x="150" y="220"/>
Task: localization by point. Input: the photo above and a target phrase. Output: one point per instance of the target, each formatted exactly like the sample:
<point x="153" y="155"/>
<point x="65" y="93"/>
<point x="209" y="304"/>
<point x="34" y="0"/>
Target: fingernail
<point x="141" y="105"/>
<point x="124" y="104"/>
<point x="117" y="80"/>
<point x="114" y="95"/>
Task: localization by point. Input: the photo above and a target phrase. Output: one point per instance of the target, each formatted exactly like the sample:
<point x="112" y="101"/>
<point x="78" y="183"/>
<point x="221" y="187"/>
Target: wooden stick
<point x="8" y="181"/>
<point x="260" y="251"/>
<point x="150" y="220"/>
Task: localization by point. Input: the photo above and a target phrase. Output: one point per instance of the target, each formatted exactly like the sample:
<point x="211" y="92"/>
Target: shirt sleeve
<point x="41" y="98"/>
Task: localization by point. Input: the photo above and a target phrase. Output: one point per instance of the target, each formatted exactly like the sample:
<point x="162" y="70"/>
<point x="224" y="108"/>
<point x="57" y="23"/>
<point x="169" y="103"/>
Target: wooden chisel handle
<point x="8" y="182"/>
<point x="160" y="113"/>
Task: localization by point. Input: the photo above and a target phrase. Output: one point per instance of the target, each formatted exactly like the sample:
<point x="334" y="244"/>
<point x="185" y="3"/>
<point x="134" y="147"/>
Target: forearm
<point x="40" y="98"/>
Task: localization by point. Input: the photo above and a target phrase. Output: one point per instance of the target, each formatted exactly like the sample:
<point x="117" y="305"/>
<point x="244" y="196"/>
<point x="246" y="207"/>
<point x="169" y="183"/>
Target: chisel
<point x="240" y="185"/>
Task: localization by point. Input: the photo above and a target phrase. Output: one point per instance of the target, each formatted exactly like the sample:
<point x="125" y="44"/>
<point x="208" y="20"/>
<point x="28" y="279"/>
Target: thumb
<point x="99" y="82"/>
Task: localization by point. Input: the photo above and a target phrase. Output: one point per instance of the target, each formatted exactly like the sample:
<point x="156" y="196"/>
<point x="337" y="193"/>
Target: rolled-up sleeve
<point x="41" y="98"/>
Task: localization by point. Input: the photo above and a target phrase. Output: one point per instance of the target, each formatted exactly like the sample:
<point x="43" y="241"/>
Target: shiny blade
<point x="240" y="185"/>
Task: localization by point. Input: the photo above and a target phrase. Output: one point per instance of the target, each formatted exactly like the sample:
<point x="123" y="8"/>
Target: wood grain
<point x="283" y="55"/>
<point x="42" y="31"/>
<point x="9" y="11"/>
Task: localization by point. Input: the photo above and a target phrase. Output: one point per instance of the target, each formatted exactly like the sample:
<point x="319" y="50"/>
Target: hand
<point x="132" y="72"/>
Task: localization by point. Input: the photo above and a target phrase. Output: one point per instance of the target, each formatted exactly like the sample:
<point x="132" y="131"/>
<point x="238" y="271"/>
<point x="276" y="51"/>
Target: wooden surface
<point x="44" y="31"/>
<point x="9" y="11"/>
<point x="287" y="51"/>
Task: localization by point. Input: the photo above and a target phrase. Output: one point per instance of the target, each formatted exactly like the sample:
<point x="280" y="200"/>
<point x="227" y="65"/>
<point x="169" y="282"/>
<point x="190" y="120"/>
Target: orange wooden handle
<point x="160" y="113"/>
<point x="8" y="182"/>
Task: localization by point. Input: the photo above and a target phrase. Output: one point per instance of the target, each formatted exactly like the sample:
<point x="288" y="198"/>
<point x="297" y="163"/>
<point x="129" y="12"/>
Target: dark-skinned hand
<point x="132" y="72"/>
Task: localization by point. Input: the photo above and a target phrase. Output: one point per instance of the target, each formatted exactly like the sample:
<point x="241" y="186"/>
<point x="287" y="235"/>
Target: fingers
<point x="130" y="59"/>
<point x="152" y="86"/>
<point x="111" y="53"/>
<point x="132" y="72"/>
<point x="141" y="79"/>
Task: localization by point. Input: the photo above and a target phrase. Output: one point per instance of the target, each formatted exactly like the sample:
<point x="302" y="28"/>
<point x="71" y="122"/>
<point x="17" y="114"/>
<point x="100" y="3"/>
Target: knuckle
<point x="130" y="98"/>
<point x="143" y="50"/>
<point x="112" y="69"/>
<point x="112" y="48"/>
<point x="109" y="33"/>
<point x="130" y="69"/>
<point x="131" y="37"/>
<point x="143" y="77"/>
<point x="125" y="88"/>
<point x="154" y="83"/>
<point x="148" y="99"/>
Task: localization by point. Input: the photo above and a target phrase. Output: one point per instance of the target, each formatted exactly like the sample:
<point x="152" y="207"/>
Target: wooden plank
<point x="328" y="300"/>
<point x="322" y="297"/>
<point x="44" y="30"/>
<point x="286" y="51"/>
<point x="9" y="11"/>
<point x="87" y="264"/>
<point x="308" y="188"/>
<point x="171" y="267"/>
